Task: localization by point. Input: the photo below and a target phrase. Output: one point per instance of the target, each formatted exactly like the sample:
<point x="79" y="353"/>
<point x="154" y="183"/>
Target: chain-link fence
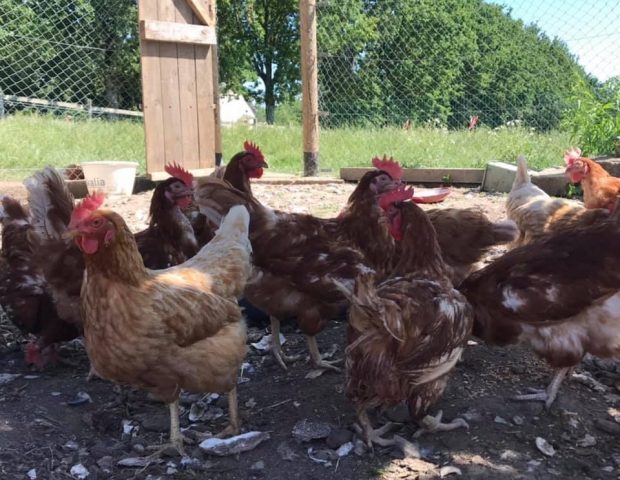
<point x="456" y="63"/>
<point x="73" y="56"/>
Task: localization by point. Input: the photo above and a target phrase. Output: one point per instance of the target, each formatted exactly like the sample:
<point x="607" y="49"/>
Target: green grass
<point x="28" y="142"/>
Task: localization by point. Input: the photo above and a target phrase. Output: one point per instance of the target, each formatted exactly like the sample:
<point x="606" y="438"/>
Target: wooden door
<point x="180" y="97"/>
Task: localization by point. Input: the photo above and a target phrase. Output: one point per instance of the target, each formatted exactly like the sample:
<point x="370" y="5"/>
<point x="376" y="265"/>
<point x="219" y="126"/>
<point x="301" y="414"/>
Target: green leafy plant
<point x="446" y="180"/>
<point x="594" y="118"/>
<point x="573" y="191"/>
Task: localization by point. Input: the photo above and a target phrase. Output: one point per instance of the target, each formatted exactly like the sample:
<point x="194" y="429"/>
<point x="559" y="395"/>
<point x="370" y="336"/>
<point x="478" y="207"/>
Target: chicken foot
<point x="317" y="359"/>
<point x="177" y="439"/>
<point x="550" y="393"/>
<point x="276" y="346"/>
<point x="375" y="436"/>
<point x="233" y="415"/>
<point x="430" y="424"/>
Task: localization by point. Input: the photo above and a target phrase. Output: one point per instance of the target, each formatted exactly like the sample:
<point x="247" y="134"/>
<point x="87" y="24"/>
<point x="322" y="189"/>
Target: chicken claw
<point x="430" y="424"/>
<point x="549" y="395"/>
<point x="317" y="360"/>
<point x="276" y="346"/>
<point x="373" y="435"/>
<point x="177" y="439"/>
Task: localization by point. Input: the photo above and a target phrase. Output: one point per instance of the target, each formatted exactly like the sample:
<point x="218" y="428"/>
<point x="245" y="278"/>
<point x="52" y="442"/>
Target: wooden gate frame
<point x="180" y="79"/>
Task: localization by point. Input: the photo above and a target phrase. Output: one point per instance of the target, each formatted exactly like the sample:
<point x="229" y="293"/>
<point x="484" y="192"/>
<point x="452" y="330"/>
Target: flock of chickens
<point x="159" y="309"/>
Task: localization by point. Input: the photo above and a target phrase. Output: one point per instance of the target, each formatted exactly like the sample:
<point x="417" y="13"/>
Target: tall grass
<point x="28" y="142"/>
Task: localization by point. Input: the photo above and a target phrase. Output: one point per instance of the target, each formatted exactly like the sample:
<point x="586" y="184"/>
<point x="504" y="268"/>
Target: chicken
<point x="169" y="238"/>
<point x="244" y="165"/>
<point x="293" y="253"/>
<point x="537" y="214"/>
<point x="600" y="189"/>
<point x="561" y="295"/>
<point x="165" y="330"/>
<point x="24" y="293"/>
<point x="465" y="237"/>
<point x="406" y="334"/>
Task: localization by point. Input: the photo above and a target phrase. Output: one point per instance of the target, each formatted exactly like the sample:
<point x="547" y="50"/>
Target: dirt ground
<point x="48" y="430"/>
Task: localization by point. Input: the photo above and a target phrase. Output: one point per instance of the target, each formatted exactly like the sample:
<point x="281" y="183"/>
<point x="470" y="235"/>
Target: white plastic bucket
<point x="111" y="177"/>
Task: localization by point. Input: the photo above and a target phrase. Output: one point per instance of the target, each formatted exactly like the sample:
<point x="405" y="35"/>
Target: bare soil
<point x="43" y="432"/>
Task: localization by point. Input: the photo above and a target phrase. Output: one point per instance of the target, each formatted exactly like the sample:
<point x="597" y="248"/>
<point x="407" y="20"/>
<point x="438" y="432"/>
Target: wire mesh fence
<point x="72" y="56"/>
<point x="462" y="63"/>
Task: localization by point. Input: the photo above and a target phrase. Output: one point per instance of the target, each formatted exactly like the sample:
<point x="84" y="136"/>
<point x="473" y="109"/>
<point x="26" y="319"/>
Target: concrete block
<point x="611" y="164"/>
<point x="499" y="177"/>
<point x="458" y="176"/>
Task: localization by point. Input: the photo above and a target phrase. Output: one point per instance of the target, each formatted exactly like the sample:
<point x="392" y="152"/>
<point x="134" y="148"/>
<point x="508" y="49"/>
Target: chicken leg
<point x="176" y="437"/>
<point x="550" y="393"/>
<point x="374" y="436"/>
<point x="276" y="346"/>
<point x="316" y="358"/>
<point x="430" y="424"/>
<point x="233" y="415"/>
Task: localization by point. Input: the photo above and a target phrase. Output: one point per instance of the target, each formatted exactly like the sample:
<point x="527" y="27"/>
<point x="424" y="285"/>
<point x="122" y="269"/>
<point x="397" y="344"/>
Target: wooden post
<point x="216" y="107"/>
<point x="309" y="86"/>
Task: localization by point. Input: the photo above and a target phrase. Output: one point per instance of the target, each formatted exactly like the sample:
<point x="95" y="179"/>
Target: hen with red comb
<point x="253" y="149"/>
<point x="388" y="165"/>
<point x="88" y="205"/>
<point x="177" y="171"/>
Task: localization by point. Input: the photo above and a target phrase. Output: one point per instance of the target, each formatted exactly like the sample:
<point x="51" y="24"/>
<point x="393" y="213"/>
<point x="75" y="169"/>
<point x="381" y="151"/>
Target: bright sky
<point x="590" y="28"/>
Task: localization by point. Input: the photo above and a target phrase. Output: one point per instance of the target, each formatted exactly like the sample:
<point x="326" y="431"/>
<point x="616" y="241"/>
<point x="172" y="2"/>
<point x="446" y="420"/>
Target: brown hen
<point x="165" y="330"/>
<point x="406" y="334"/>
<point x="561" y="295"/>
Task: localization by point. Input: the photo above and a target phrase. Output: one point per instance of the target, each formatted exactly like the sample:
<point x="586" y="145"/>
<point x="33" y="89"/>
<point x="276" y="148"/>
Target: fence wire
<point x="458" y="63"/>
<point x="69" y="55"/>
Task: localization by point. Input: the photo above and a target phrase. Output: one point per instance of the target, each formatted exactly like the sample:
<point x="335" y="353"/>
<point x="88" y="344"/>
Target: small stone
<point x="501" y="420"/>
<point x="155" y="423"/>
<point x="607" y="426"/>
<point x="81" y="398"/>
<point x="545" y="447"/>
<point x="608" y="469"/>
<point x="32" y="474"/>
<point x="616" y="458"/>
<point x="472" y="416"/>
<point x="258" y="466"/>
<point x="338" y="437"/>
<point x="509" y="455"/>
<point x="71" y="445"/>
<point x="360" y="448"/>
<point x="79" y="471"/>
<point x="55" y="394"/>
<point x="306" y="430"/>
<point x="344" y="449"/>
<point x="517" y="420"/>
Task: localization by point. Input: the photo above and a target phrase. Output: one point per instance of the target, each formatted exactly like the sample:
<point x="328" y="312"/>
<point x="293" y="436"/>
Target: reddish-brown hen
<point x="405" y="334"/>
<point x="24" y="293"/>
<point x="293" y="253"/>
<point x="164" y="330"/>
<point x="600" y="189"/>
<point x="561" y="295"/>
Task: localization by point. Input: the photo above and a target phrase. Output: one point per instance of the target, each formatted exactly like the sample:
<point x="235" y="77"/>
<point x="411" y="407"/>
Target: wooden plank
<point x="151" y="94"/>
<point x="188" y="92"/>
<point x="204" y="12"/>
<point x="196" y="172"/>
<point x="424" y="175"/>
<point x="169" y="79"/>
<point x="217" y="124"/>
<point x="309" y="86"/>
<point x="177" y="32"/>
<point x="205" y="89"/>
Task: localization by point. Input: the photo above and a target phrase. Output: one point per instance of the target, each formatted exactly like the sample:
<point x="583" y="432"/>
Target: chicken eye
<point x="97" y="222"/>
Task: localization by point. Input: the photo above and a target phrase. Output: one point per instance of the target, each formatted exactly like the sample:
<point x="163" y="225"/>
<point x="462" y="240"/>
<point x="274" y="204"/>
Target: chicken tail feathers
<point x="522" y="176"/>
<point x="51" y="203"/>
<point x="11" y="210"/>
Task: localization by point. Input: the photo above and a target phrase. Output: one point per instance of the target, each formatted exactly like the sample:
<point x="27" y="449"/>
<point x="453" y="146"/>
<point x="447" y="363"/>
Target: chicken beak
<point x="264" y="164"/>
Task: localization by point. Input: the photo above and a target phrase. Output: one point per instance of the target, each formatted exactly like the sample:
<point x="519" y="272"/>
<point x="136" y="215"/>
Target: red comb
<point x="571" y="155"/>
<point x="253" y="149"/>
<point x="88" y="205"/>
<point x="177" y="171"/>
<point x="399" y="194"/>
<point x="388" y="165"/>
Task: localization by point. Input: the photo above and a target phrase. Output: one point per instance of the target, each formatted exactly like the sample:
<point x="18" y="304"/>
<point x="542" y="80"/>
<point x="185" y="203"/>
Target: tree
<point x="261" y="36"/>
